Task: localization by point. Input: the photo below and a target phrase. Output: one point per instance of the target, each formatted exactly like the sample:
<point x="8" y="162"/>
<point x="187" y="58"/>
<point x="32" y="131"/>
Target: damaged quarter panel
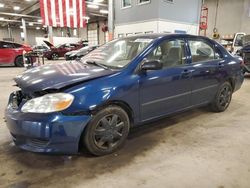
<point x="95" y="93"/>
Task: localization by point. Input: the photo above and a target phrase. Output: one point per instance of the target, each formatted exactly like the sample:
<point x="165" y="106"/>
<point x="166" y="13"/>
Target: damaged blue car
<point x="94" y="102"/>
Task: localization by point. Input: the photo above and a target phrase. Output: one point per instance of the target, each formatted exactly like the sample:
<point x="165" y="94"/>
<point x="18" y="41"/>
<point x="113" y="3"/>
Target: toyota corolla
<point x="94" y="103"/>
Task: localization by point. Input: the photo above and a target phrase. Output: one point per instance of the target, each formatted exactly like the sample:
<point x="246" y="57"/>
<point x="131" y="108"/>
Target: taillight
<point x="242" y="63"/>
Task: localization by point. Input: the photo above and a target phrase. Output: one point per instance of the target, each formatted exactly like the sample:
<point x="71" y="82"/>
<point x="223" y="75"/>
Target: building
<point x="151" y="16"/>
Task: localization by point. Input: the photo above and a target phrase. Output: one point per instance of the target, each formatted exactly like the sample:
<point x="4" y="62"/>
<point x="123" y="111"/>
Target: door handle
<point x="186" y="71"/>
<point x="220" y="64"/>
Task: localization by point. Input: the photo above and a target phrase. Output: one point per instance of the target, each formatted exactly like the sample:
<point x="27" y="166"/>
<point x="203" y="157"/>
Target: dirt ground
<point x="196" y="149"/>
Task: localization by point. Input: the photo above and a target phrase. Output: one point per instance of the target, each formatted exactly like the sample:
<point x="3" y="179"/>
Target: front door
<point x="167" y="90"/>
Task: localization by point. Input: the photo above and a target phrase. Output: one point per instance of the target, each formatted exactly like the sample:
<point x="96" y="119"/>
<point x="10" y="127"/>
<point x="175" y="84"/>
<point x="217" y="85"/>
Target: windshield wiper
<point x="97" y="64"/>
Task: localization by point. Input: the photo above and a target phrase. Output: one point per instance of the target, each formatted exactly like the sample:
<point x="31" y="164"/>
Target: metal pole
<point x="24" y="31"/>
<point x="50" y="34"/>
<point x="10" y="32"/>
<point x="111" y="19"/>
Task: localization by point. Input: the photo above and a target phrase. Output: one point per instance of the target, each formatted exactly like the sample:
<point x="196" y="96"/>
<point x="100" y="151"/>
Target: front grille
<point x="37" y="142"/>
<point x="17" y="98"/>
<point x="34" y="142"/>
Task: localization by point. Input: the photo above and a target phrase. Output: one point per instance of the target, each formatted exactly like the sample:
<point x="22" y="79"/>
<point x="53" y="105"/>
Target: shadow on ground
<point x="50" y="168"/>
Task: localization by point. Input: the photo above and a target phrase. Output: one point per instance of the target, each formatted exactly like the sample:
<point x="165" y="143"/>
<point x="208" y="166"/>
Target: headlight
<point x="48" y="103"/>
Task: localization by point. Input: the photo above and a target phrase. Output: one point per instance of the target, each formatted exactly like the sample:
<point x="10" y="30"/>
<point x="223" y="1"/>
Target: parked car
<point x="233" y="42"/>
<point x="244" y="53"/>
<point x="59" y="51"/>
<point x="40" y="49"/>
<point x="76" y="54"/>
<point x="127" y="82"/>
<point x="12" y="53"/>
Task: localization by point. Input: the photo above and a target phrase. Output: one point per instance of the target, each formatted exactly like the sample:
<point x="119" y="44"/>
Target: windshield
<point x="118" y="53"/>
<point x="84" y="48"/>
<point x="238" y="40"/>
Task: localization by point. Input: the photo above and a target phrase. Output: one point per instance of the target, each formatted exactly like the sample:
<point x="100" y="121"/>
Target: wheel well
<point x="16" y="59"/>
<point x="120" y="104"/>
<point x="53" y="54"/>
<point x="231" y="81"/>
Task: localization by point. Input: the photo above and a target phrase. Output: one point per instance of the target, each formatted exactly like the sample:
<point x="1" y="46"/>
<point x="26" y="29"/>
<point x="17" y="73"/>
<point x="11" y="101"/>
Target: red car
<point x="12" y="53"/>
<point x="59" y="51"/>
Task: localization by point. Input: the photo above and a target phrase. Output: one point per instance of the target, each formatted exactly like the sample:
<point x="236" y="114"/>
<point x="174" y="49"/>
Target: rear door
<point x="208" y="66"/>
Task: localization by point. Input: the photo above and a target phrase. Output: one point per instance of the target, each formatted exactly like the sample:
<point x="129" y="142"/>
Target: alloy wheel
<point x="55" y="56"/>
<point x="109" y="132"/>
<point x="225" y="96"/>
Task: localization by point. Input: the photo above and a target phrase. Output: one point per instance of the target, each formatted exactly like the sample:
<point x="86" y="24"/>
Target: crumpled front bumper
<point x="46" y="133"/>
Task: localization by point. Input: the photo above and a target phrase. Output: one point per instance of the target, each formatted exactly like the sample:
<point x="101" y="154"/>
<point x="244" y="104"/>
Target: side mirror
<point x="151" y="65"/>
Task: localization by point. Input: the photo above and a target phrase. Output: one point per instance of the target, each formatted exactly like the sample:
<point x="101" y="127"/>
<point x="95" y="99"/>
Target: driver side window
<point x="169" y="53"/>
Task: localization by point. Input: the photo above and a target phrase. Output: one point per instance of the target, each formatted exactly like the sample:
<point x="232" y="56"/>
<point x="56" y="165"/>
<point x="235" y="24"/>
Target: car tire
<point x="223" y="98"/>
<point x="54" y="56"/>
<point x="107" y="131"/>
<point x="19" y="61"/>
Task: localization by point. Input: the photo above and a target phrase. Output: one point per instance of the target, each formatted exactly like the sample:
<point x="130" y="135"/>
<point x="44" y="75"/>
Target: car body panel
<point x="11" y="51"/>
<point x="72" y="55"/>
<point x="58" y="76"/>
<point x="34" y="132"/>
<point x="148" y="96"/>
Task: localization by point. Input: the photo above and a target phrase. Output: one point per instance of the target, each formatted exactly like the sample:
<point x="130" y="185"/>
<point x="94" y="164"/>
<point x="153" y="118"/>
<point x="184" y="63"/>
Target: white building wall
<point x="155" y="26"/>
<point x="136" y="27"/>
<point x="166" y="26"/>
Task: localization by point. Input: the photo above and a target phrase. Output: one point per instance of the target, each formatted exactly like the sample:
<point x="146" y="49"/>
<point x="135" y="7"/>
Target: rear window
<point x="15" y="45"/>
<point x="4" y="45"/>
<point x="201" y="51"/>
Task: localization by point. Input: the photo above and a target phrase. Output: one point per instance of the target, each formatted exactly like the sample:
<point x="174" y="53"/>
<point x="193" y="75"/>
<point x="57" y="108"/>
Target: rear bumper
<point x="46" y="133"/>
<point x="246" y="68"/>
<point x="239" y="79"/>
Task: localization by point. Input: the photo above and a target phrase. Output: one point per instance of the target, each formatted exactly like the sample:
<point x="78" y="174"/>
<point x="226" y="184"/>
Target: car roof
<point x="9" y="42"/>
<point x="161" y="35"/>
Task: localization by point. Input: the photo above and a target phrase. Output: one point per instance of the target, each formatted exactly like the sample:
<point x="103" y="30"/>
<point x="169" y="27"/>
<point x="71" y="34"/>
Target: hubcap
<point x="225" y="97"/>
<point x="109" y="132"/>
<point x="55" y="56"/>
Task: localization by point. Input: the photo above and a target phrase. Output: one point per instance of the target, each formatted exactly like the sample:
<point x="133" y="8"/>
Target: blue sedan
<point x="93" y="103"/>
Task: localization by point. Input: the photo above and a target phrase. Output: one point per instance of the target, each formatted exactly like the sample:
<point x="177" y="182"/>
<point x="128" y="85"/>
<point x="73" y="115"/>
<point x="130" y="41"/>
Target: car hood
<point x="72" y="52"/>
<point x="57" y="76"/>
<point x="246" y="49"/>
<point x="49" y="44"/>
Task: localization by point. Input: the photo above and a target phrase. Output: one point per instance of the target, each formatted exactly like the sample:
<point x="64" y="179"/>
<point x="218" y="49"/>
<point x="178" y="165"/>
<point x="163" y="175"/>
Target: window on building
<point x="126" y="3"/>
<point x="143" y="1"/>
<point x="201" y="51"/>
<point x="168" y="1"/>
